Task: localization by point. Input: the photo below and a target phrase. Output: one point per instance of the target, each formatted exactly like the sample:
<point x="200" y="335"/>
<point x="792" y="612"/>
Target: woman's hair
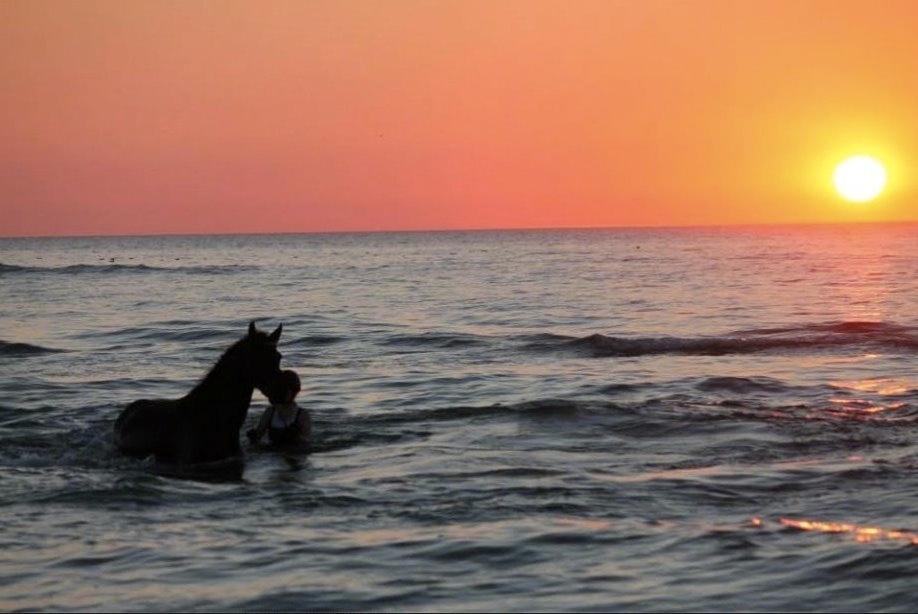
<point x="290" y="381"/>
<point x="287" y="382"/>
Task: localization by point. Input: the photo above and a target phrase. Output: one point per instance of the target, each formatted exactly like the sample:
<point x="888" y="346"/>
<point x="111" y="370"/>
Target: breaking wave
<point x="880" y="335"/>
<point x="10" y="348"/>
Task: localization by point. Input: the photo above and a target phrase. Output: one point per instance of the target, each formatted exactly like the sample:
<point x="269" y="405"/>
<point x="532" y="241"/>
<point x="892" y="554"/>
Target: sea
<point x="609" y="419"/>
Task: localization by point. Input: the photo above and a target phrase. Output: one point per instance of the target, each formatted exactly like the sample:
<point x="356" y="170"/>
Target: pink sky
<point x="166" y="117"/>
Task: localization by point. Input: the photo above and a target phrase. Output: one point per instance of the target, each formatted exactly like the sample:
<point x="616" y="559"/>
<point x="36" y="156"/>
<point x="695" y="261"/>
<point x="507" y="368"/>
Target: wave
<point x="11" y="348"/>
<point x="316" y="340"/>
<point x="155" y="334"/>
<point x="846" y="327"/>
<point x="813" y="337"/>
<point x="439" y="340"/>
<point x="742" y="385"/>
<point x="191" y="331"/>
<point x="662" y="418"/>
<point x="77" y="269"/>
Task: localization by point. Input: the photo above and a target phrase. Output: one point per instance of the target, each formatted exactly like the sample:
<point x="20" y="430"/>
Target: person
<point x="285" y="422"/>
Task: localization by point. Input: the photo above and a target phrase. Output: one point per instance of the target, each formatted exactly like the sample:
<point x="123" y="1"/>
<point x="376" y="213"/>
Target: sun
<point x="859" y="178"/>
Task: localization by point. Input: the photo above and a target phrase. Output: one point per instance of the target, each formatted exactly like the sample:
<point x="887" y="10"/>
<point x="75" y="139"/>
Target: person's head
<point x="285" y="388"/>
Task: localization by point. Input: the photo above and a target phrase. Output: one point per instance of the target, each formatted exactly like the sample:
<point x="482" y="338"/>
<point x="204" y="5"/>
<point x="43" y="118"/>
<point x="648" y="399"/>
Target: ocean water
<point x="643" y="420"/>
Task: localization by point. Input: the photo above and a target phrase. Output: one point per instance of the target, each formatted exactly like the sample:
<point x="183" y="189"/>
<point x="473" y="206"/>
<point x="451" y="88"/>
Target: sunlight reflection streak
<point x="862" y="534"/>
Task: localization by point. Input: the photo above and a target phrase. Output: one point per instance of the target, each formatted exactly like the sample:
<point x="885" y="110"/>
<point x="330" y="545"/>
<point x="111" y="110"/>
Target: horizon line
<point x="460" y="230"/>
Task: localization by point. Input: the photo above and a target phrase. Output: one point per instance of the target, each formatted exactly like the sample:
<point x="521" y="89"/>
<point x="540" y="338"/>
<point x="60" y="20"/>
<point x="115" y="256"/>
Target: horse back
<point x="145" y="427"/>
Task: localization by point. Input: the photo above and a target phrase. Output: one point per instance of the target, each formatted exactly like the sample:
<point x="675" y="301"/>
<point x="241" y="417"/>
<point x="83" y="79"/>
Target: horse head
<point x="261" y="356"/>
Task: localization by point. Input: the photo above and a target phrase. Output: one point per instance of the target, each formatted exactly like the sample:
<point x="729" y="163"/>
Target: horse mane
<point x="216" y="375"/>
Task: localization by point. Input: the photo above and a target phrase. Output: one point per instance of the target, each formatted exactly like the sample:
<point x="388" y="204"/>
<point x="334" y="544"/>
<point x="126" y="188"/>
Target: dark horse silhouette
<point x="203" y="426"/>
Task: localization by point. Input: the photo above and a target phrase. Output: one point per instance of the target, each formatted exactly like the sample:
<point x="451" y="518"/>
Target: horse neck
<point x="228" y="385"/>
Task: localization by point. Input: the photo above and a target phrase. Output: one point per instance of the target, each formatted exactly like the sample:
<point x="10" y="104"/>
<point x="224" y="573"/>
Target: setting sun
<point x="859" y="178"/>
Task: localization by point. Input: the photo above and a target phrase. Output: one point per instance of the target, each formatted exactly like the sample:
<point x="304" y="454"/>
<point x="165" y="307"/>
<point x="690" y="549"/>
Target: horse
<point x="203" y="426"/>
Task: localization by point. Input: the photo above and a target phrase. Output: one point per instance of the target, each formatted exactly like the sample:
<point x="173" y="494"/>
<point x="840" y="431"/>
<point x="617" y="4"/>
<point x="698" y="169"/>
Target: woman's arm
<point x="305" y="423"/>
<point x="258" y="432"/>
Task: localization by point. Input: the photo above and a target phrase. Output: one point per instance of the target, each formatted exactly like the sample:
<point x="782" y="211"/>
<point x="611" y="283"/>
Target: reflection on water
<point x="860" y="533"/>
<point x="853" y="404"/>
<point x="876" y="385"/>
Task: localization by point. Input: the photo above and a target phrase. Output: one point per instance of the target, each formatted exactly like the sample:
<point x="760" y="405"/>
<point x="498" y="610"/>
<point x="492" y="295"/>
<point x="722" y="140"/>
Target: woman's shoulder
<point x="303" y="417"/>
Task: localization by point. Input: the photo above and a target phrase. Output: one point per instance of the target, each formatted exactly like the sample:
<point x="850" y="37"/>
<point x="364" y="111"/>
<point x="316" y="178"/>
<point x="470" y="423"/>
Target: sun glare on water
<point x="859" y="178"/>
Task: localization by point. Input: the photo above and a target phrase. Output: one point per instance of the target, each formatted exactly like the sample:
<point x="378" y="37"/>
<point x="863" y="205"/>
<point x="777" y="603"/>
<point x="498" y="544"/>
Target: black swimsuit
<point x="286" y="434"/>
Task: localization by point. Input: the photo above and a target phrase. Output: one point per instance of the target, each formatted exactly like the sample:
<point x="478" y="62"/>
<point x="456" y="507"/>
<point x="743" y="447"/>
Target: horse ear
<point x="252" y="328"/>
<point x="276" y="334"/>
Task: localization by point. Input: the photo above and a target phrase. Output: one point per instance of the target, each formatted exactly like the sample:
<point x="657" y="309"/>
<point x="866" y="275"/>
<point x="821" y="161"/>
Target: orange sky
<point x="163" y="117"/>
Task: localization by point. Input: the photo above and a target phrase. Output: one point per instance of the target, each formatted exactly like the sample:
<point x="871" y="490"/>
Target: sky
<point x="221" y="117"/>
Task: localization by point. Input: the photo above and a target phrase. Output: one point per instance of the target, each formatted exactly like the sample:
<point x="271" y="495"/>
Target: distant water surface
<point x="703" y="419"/>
